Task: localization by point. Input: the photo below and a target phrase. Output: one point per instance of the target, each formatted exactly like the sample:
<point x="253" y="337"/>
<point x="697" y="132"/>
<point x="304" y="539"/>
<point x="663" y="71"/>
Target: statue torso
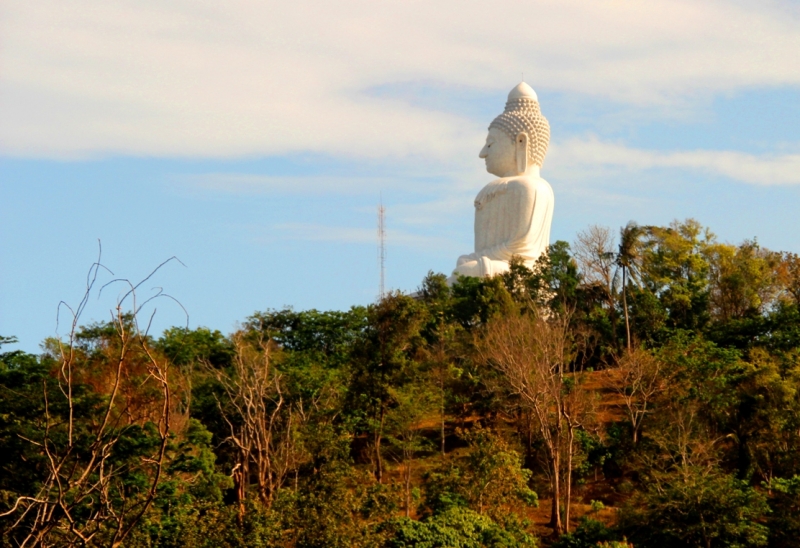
<point x="513" y="217"/>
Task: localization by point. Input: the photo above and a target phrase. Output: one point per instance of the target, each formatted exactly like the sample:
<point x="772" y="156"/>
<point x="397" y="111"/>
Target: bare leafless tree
<point x="261" y="419"/>
<point x="685" y="445"/>
<point x="535" y="352"/>
<point x="638" y="379"/>
<point x="82" y="498"/>
<point x="595" y="255"/>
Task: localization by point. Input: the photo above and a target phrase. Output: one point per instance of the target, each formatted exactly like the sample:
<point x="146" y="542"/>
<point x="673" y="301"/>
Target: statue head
<point x="519" y="137"/>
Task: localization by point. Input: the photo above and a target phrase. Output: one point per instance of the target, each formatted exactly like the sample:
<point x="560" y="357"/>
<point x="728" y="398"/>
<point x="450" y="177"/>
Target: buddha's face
<point x="500" y="154"/>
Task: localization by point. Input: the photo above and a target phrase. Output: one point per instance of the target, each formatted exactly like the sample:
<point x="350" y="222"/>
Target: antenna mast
<point x="382" y="245"/>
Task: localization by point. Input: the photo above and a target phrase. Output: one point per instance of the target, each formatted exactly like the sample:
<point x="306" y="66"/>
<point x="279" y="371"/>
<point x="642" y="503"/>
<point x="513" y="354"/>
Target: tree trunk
<point x="408" y="487"/>
<point x="240" y="481"/>
<point x="441" y="390"/>
<point x="612" y="311"/>
<point x="625" y="305"/>
<point x="378" y="459"/>
<point x="568" y="494"/>
<point x="555" y="512"/>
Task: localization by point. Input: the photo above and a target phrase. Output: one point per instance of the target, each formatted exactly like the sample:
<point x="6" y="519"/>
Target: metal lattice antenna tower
<point x="382" y="245"/>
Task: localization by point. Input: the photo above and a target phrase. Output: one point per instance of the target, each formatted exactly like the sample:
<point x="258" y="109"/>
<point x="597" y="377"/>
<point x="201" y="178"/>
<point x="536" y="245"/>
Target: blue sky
<point x="255" y="141"/>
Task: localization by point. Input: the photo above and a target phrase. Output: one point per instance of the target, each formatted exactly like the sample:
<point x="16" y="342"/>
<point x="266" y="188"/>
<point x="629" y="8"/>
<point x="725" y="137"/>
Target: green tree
<point x="187" y="347"/>
<point x="698" y="510"/>
<point x="188" y="509"/>
<point x="744" y="280"/>
<point x="476" y="300"/>
<point x="784" y="521"/>
<point x="385" y="358"/>
<point x="490" y="479"/>
<point x="413" y="404"/>
<point x="325" y="337"/>
<point x="456" y="527"/>
<point x="590" y="533"/>
<point x="675" y="267"/>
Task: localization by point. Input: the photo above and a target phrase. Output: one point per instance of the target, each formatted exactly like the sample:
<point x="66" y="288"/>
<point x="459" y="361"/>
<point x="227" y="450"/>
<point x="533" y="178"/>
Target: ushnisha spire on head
<point x="522" y="90"/>
<point x="522" y="114"/>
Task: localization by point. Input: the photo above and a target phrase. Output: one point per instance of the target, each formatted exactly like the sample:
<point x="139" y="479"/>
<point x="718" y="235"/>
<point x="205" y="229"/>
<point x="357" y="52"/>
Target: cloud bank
<point x="580" y="156"/>
<point x="246" y="77"/>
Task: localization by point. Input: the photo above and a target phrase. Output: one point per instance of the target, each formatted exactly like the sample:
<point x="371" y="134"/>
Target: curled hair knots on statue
<point x="523" y="114"/>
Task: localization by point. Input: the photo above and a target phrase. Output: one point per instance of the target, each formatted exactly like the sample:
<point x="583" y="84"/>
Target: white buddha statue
<point x="513" y="213"/>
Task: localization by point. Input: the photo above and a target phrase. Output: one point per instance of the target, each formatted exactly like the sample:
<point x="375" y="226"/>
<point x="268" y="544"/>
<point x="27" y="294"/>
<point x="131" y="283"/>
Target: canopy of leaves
<point x="674" y="405"/>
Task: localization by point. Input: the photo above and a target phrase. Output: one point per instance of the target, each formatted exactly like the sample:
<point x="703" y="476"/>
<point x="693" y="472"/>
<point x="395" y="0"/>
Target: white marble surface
<point x="513" y="213"/>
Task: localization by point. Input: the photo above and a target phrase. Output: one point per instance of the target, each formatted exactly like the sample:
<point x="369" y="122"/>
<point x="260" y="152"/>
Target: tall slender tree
<point x="626" y="260"/>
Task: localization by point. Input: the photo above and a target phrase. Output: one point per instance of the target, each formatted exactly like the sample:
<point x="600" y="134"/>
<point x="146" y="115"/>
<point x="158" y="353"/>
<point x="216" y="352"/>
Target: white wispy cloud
<point x="587" y="157"/>
<point x="245" y="77"/>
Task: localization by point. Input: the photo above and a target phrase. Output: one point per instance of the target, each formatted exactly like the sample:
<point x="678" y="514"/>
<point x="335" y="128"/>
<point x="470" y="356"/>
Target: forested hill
<point x="634" y="389"/>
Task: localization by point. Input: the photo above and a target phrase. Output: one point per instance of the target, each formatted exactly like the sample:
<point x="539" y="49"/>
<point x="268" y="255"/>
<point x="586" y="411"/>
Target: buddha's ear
<point x="521" y="143"/>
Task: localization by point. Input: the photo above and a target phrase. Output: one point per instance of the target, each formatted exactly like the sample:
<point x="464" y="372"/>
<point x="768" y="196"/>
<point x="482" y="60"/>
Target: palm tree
<point x="626" y="259"/>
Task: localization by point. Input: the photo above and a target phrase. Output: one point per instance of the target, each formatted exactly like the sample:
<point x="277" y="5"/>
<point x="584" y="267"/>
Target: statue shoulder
<point x="543" y="186"/>
<point x="529" y="185"/>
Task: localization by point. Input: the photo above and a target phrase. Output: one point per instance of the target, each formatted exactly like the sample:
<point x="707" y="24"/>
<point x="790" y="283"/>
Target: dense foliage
<point x="640" y="391"/>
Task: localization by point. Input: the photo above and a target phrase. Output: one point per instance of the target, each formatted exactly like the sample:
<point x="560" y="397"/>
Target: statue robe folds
<point x="512" y="217"/>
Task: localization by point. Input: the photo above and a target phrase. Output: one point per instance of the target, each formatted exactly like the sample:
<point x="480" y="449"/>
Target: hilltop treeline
<point x="639" y="389"/>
